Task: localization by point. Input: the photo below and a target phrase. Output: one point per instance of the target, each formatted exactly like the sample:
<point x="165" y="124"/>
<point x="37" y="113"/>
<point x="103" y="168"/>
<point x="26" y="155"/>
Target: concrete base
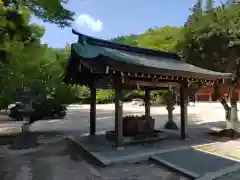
<point x="192" y="163"/>
<point x="138" y="139"/>
<point x="24" y="140"/>
<point x="171" y="125"/>
<point x="105" y="153"/>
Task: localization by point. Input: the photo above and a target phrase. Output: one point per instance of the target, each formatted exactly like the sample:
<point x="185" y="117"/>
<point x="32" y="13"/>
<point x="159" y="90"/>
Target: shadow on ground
<point x="196" y="127"/>
<point x="51" y="160"/>
<point x="55" y="158"/>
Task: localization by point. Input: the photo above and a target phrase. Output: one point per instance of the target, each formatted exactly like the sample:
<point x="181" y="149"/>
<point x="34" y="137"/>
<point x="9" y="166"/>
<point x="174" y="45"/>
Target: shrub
<point x="105" y="96"/>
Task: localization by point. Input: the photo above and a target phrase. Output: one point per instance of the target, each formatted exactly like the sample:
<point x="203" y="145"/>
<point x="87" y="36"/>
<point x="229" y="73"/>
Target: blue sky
<point x="110" y="18"/>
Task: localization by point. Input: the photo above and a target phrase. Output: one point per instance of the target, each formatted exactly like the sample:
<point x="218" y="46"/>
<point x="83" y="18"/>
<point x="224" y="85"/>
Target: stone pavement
<point x="49" y="163"/>
<point x="231" y="176"/>
<point x="141" y="171"/>
<point x="53" y="162"/>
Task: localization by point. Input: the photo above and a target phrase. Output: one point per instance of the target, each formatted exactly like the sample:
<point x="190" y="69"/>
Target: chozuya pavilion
<point x="103" y="64"/>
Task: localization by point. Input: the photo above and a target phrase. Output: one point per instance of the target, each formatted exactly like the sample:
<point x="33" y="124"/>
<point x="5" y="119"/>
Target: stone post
<point x="170" y="124"/>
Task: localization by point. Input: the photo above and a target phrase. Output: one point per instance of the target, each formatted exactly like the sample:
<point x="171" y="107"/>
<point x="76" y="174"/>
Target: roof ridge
<point x="123" y="47"/>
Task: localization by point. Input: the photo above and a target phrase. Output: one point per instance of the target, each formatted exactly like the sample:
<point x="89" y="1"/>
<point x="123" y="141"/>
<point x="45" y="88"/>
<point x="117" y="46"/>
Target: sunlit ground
<point x="52" y="161"/>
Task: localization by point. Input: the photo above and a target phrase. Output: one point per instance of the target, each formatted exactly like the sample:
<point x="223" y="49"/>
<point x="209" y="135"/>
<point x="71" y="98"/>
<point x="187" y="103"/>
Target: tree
<point x="20" y="42"/>
<point x="209" y="5"/>
<point x="164" y="38"/>
<point x="128" y="40"/>
<point x="21" y="52"/>
<point x="211" y="40"/>
<point x="15" y="17"/>
<point x="50" y="11"/>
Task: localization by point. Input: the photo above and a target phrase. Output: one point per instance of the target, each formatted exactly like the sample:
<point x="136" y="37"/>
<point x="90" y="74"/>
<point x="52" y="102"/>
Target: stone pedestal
<point x="25" y="140"/>
<point x="170" y="124"/>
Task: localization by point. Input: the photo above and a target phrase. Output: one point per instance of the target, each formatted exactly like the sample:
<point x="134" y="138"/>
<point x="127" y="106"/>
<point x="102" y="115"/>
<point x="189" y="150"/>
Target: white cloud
<point x="86" y="21"/>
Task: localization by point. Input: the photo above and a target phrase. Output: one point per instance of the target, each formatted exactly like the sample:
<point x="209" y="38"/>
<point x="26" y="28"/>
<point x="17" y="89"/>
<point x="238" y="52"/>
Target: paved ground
<point x="206" y="163"/>
<point x="231" y="176"/>
<point x="51" y="163"/>
<point x="77" y="119"/>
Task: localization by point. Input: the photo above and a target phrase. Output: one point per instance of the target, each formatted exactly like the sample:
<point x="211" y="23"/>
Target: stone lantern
<point x="170" y="124"/>
<point x="26" y="109"/>
<point x="25" y="139"/>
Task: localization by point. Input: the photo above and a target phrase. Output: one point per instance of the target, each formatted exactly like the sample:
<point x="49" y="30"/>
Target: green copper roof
<point x="88" y="51"/>
<point x="97" y="54"/>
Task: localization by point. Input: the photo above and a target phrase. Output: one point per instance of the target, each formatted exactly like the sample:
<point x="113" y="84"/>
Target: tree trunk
<point x="234" y="113"/>
<point x="231" y="112"/>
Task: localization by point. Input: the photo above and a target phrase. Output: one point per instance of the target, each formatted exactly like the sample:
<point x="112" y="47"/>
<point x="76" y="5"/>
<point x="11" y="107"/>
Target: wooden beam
<point x="151" y="83"/>
<point x="118" y="113"/>
<point x="147" y="103"/>
<point x="93" y="109"/>
<point x="183" y="107"/>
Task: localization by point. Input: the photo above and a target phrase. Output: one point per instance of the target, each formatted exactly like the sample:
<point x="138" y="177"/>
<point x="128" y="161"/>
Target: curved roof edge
<point x="84" y="39"/>
<point x="123" y="47"/>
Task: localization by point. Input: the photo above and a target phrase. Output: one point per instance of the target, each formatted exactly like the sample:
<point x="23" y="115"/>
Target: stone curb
<point x="174" y="168"/>
<point x="132" y="158"/>
<point x="214" y="175"/>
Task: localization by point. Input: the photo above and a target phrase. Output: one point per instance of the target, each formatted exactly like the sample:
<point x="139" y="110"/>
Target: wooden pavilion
<point x="103" y="64"/>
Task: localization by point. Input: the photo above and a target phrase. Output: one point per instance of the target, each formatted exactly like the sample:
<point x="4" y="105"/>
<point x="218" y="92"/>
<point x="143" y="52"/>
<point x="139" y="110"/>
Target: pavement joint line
<point x="222" y="172"/>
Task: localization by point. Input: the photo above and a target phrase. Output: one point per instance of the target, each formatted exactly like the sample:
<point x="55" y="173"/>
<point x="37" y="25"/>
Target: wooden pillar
<point x="118" y="113"/>
<point x="183" y="107"/>
<point x="93" y="109"/>
<point x="170" y="105"/>
<point x="147" y="103"/>
<point x="210" y="97"/>
<point x="238" y="95"/>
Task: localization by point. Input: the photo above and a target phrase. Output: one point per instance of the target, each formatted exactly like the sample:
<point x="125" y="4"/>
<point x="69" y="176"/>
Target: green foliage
<point x="105" y="96"/>
<point x="211" y="38"/>
<point x="26" y="62"/>
<point x="128" y="40"/>
<point x="84" y="93"/>
<point x="165" y="38"/>
<point x="51" y="11"/>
